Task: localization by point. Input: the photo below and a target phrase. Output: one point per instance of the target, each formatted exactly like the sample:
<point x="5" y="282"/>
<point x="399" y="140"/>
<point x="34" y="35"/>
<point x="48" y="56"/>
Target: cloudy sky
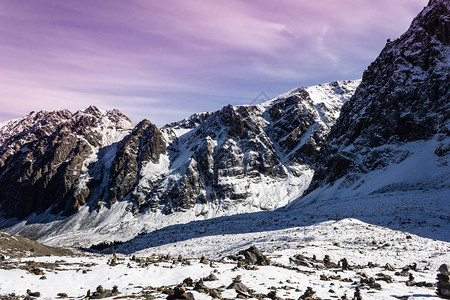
<point x="164" y="60"/>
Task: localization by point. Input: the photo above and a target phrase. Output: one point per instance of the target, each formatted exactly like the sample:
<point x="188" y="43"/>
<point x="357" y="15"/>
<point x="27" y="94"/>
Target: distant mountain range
<point x="66" y="174"/>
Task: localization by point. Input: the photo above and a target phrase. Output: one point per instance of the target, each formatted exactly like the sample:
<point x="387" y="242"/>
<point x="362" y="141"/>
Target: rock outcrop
<point x="403" y="97"/>
<point x="251" y="156"/>
<point x="45" y="156"/>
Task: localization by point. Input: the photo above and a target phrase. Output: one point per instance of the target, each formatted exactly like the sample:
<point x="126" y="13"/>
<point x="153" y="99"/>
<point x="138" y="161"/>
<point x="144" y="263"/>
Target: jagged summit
<point x="237" y="159"/>
<point x="44" y="158"/>
<point x="112" y="178"/>
<point x="403" y="100"/>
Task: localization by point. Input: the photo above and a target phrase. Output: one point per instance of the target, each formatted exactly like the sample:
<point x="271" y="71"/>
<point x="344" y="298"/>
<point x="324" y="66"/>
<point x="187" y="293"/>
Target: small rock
<point x="211" y="277"/>
<point x="33" y="294"/>
<point x="388" y="267"/>
<point x="308" y="294"/>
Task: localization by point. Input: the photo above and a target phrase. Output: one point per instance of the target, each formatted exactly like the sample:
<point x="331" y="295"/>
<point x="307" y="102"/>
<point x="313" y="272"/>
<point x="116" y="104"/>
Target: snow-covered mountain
<point x="45" y="158"/>
<point x="384" y="157"/>
<point x="393" y="135"/>
<point x="238" y="159"/>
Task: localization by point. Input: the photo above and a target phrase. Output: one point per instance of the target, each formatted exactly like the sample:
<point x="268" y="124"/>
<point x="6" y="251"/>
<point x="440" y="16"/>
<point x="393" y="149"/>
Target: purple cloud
<point x="166" y="60"/>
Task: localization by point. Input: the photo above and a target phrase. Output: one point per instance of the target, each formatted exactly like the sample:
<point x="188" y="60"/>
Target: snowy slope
<point x="236" y="160"/>
<point x="393" y="135"/>
<point x="367" y="249"/>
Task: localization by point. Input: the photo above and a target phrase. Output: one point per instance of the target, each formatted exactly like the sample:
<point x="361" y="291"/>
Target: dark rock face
<point x="254" y="256"/>
<point x="144" y="144"/>
<point x="403" y="97"/>
<point x="221" y="154"/>
<point x="59" y="161"/>
<point x="62" y="161"/>
<point x="42" y="157"/>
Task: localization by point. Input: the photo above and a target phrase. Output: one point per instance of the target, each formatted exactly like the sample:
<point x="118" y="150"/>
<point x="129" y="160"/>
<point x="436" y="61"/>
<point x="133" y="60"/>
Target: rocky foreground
<point x="345" y="259"/>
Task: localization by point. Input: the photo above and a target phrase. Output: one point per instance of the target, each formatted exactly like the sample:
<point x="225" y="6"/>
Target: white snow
<point x="358" y="242"/>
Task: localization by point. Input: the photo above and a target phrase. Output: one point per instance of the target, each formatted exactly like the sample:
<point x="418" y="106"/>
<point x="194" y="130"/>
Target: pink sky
<point x="164" y="60"/>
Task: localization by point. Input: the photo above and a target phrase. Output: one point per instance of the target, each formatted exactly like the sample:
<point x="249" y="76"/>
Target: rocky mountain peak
<point x="93" y="110"/>
<point x="44" y="157"/>
<point x="403" y="97"/>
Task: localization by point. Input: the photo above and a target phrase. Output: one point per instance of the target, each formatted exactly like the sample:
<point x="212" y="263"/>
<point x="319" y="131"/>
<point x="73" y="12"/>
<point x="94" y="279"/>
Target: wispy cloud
<point x="147" y="57"/>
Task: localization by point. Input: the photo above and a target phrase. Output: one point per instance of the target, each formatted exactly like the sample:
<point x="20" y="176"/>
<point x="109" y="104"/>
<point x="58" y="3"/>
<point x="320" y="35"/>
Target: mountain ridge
<point x="125" y="166"/>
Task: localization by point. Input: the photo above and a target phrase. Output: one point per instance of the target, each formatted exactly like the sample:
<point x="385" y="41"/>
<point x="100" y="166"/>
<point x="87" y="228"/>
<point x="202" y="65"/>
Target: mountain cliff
<point x="394" y="132"/>
<point x="45" y="157"/>
<point x="237" y="159"/>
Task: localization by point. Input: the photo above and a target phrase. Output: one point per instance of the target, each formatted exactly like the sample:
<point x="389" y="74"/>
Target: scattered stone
<point x="188" y="282"/>
<point x="300" y="260"/>
<point x="328" y="263"/>
<point x="211" y="277"/>
<point x="42" y="278"/>
<point x="101" y="293"/>
<point x="254" y="256"/>
<point x="324" y="277"/>
<point x="33" y="294"/>
<point x="36" y="271"/>
<point x="239" y="287"/>
<point x="201" y="287"/>
<point x="203" y="260"/>
<point x="403" y="273"/>
<point x="357" y="294"/>
<point x="215" y="294"/>
<point x="308" y="294"/>
<point x="179" y="292"/>
<point x="371" y="283"/>
<point x="62" y="295"/>
<point x="443" y="285"/>
<point x="344" y="264"/>
<point x="388" y="267"/>
<point x="384" y="277"/>
<point x="273" y="295"/>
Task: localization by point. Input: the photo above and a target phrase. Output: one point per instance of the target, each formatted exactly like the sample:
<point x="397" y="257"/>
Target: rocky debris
<point x="188" y="282"/>
<point x="300" y="260"/>
<point x="370" y="282"/>
<point x="344" y="264"/>
<point x="357" y="294"/>
<point x="253" y="256"/>
<point x="12" y="296"/>
<point x="309" y="294"/>
<point x="203" y="260"/>
<point x="273" y="295"/>
<point x="404" y="272"/>
<point x="101" y="293"/>
<point x="43" y="156"/>
<point x="215" y="294"/>
<point x="33" y="294"/>
<point x="62" y="295"/>
<point x="211" y="277"/>
<point x="179" y="292"/>
<point x="328" y="263"/>
<point x="201" y="287"/>
<point x="384" y="277"/>
<point x="403" y="97"/>
<point x="36" y="271"/>
<point x="388" y="267"/>
<point x="443" y="284"/>
<point x="240" y="288"/>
